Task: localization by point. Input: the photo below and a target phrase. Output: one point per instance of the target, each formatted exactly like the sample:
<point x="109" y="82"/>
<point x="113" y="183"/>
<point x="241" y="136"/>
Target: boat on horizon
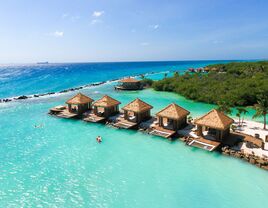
<point x="42" y="62"/>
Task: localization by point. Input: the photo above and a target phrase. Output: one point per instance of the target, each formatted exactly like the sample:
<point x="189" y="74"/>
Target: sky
<point x="132" y="30"/>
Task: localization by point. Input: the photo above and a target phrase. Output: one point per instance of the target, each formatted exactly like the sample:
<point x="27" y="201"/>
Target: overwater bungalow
<point x="170" y="120"/>
<point x="212" y="129"/>
<point x="134" y="113"/>
<point x="129" y="84"/>
<point x="77" y="105"/>
<point x="103" y="109"/>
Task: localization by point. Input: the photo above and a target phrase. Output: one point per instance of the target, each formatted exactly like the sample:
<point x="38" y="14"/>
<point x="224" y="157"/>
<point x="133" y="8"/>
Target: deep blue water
<point x="31" y="79"/>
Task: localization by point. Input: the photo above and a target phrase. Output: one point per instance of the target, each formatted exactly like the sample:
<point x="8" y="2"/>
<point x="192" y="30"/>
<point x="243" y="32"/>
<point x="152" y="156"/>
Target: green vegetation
<point x="147" y="82"/>
<point x="228" y="85"/>
<point x="241" y="111"/>
<point x="262" y="108"/>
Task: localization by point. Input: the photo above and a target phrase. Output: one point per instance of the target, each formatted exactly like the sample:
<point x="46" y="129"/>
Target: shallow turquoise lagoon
<point x="61" y="165"/>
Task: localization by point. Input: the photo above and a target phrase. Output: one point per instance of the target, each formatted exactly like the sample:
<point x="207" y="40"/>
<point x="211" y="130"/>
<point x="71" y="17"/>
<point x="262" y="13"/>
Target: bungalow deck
<point x="62" y="112"/>
<point x="66" y="114"/>
<point x="57" y="109"/>
<point x="119" y="88"/>
<point x="94" y="118"/>
<point x="159" y="131"/>
<point x="204" y="143"/>
<point x="122" y="123"/>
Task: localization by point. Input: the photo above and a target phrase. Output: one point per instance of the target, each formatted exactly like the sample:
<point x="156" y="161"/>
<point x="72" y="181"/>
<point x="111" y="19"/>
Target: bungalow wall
<point x="176" y="124"/>
<point x="219" y="134"/>
<point x="139" y="117"/>
<point x="79" y="108"/>
<point x="109" y="111"/>
<point x="131" y="85"/>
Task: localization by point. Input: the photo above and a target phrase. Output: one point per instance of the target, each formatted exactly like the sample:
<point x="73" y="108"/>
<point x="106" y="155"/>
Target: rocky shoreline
<point x="25" y="97"/>
<point x="258" y="161"/>
<point x="251" y="158"/>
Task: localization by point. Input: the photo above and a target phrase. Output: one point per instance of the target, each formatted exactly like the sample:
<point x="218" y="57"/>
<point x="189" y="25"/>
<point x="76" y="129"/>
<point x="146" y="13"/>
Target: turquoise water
<point x="61" y="165"/>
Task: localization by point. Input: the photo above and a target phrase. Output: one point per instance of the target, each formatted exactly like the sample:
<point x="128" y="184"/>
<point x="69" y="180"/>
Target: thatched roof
<point x="79" y="99"/>
<point x="137" y="106"/>
<point x="173" y="111"/>
<point x="215" y="119"/>
<point x="106" y="101"/>
<point x="129" y="80"/>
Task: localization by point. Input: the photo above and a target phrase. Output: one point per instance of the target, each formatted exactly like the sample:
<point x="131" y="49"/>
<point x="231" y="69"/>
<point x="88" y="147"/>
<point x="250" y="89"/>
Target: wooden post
<point x="69" y="108"/>
<point x="125" y="115"/>
<point x="199" y="131"/>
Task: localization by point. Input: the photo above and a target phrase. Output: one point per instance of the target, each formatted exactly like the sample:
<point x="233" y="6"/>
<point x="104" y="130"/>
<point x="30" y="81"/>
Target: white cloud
<point x="96" y="21"/>
<point x="63" y="16"/>
<point x="154" y="27"/>
<point x="72" y="18"/>
<point x="57" y="34"/>
<point x="144" y="44"/>
<point x="97" y="13"/>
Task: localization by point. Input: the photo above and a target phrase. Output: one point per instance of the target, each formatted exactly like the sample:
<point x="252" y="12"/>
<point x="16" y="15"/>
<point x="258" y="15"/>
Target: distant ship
<point x="44" y="62"/>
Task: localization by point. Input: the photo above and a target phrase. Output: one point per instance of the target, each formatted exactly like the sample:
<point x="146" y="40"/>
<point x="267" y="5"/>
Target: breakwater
<point x="73" y="89"/>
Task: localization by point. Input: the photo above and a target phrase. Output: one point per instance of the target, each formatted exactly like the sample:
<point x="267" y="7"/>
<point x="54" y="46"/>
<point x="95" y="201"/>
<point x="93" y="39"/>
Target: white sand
<point x="252" y="128"/>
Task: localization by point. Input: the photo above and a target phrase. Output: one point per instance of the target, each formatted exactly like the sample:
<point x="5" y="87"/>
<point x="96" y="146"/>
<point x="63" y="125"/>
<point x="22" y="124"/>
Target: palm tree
<point x="176" y="73"/>
<point x="240" y="111"/>
<point x="244" y="112"/>
<point x="261" y="108"/>
<point x="142" y="76"/>
<point x="224" y="107"/>
<point x="238" y="114"/>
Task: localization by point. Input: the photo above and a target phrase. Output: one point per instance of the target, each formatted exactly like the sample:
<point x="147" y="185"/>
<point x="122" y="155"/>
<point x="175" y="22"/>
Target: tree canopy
<point x="236" y="84"/>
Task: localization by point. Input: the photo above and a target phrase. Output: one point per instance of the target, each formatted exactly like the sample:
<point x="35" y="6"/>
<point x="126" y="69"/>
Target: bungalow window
<point x="74" y="108"/>
<point x="212" y="131"/>
<point x="131" y="115"/>
<point x="167" y="122"/>
<point x="100" y="110"/>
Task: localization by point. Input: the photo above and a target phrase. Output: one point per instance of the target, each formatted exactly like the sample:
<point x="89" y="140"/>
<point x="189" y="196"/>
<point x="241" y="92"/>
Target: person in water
<point x="99" y="140"/>
<point x="38" y="126"/>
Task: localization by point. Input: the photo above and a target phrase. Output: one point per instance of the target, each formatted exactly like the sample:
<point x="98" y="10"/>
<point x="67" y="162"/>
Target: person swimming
<point x="39" y="126"/>
<point x="99" y="139"/>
